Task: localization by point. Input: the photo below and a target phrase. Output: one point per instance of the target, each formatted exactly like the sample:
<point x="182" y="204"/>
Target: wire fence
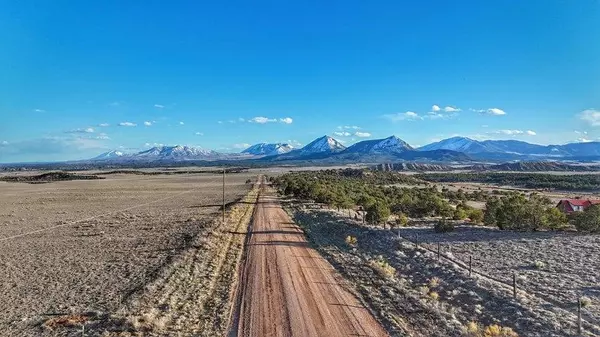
<point x="584" y="319"/>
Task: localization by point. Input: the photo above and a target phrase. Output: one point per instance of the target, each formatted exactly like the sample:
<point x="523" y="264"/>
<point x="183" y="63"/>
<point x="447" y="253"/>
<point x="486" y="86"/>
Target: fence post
<point x="514" y="285"/>
<point x="223" y="196"/>
<point x="579" y="323"/>
<point x="470" y="265"/>
<point x="416" y="241"/>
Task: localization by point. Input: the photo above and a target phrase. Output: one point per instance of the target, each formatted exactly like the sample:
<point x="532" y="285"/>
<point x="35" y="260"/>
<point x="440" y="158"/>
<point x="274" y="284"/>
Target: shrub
<point x="443" y="226"/>
<point x="424" y="290"/>
<point x="459" y="214"/>
<point x="434" y="296"/>
<point x="351" y="241"/>
<point x="434" y="282"/>
<point x="476" y="215"/>
<point x="496" y="330"/>
<point x="378" y="213"/>
<point x="402" y="220"/>
<point x="585" y="301"/>
<point x="382" y="267"/>
<point x="539" y="265"/>
<point x="589" y="220"/>
<point x="474" y="329"/>
<point x="555" y="219"/>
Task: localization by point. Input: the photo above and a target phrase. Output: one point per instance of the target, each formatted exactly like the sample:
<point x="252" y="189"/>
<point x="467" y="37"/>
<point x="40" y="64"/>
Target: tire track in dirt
<point x="288" y="289"/>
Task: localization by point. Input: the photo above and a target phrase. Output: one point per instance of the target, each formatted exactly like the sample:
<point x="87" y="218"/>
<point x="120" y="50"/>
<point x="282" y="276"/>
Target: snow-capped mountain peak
<point x="392" y="142"/>
<point x="109" y="155"/>
<point x="323" y="144"/>
<point x="265" y="149"/>
<point x="388" y="145"/>
<point x="461" y="144"/>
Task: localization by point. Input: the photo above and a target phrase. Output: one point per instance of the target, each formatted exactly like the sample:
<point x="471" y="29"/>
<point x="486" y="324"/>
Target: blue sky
<point x="221" y="75"/>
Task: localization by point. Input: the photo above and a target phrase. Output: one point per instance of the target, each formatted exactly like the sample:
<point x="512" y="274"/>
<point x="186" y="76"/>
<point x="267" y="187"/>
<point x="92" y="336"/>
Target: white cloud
<point x="349" y="127"/>
<point x="241" y="119"/>
<point x="127" y="124"/>
<point x="590" y="116"/>
<point x="241" y="146"/>
<point x="181" y="123"/>
<point x="265" y="120"/>
<point x="496" y="112"/>
<point x="342" y="133"/>
<point x="220" y="122"/>
<point x="4" y="142"/>
<point x="199" y="134"/>
<point x="583" y="140"/>
<point x="362" y="134"/>
<point x="103" y="124"/>
<point x="262" y="120"/>
<point x="39" y="110"/>
<point x="159" y="106"/>
<point x="490" y="111"/>
<point x="435" y="108"/>
<point x="147" y="123"/>
<point x="451" y="109"/>
<point x="435" y="115"/>
<point x="103" y="136"/>
<point x="294" y="143"/>
<point x="86" y="130"/>
<point x="403" y="116"/>
<point x="510" y="132"/>
<point x="114" y="104"/>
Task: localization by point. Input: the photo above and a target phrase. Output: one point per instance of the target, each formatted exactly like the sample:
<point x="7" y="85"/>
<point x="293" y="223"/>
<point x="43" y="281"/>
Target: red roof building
<point x="576" y="205"/>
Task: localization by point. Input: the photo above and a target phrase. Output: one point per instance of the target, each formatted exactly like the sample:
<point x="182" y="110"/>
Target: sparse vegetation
<point x="474" y="329"/>
<point x="351" y="241"/>
<point x="585" y="301"/>
<point x="539" y="265"/>
<point x="382" y="267"/>
<point x="434" y="296"/>
<point x="434" y="282"/>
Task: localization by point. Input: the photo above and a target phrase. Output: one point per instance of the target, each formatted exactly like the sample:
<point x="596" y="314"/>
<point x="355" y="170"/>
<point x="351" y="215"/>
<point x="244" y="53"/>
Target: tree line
<point x="374" y="193"/>
<point x="576" y="182"/>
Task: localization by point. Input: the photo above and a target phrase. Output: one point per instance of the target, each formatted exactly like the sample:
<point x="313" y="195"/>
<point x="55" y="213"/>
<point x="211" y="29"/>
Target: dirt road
<point x="288" y="289"/>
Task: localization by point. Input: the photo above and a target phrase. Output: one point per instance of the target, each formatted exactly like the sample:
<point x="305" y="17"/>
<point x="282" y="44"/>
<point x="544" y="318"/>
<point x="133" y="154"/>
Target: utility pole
<point x="223" y="196"/>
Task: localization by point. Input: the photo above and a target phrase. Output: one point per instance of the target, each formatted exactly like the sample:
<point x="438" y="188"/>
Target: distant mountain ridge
<point x="514" y="149"/>
<point x="328" y="150"/>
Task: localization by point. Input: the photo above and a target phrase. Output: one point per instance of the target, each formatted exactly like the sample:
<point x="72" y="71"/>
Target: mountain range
<point x="329" y="150"/>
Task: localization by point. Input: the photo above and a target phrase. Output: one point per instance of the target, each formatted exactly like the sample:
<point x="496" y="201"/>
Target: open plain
<point x="74" y="247"/>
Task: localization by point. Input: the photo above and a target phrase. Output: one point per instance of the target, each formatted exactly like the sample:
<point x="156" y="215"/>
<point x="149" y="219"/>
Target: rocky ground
<point x="427" y="297"/>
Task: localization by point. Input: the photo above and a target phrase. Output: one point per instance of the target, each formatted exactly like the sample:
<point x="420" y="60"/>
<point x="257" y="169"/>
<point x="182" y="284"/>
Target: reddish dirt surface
<point x="288" y="289"/>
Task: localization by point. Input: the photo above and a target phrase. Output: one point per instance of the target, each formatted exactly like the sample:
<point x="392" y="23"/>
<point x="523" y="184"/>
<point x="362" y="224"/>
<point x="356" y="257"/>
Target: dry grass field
<point x="73" y="247"/>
